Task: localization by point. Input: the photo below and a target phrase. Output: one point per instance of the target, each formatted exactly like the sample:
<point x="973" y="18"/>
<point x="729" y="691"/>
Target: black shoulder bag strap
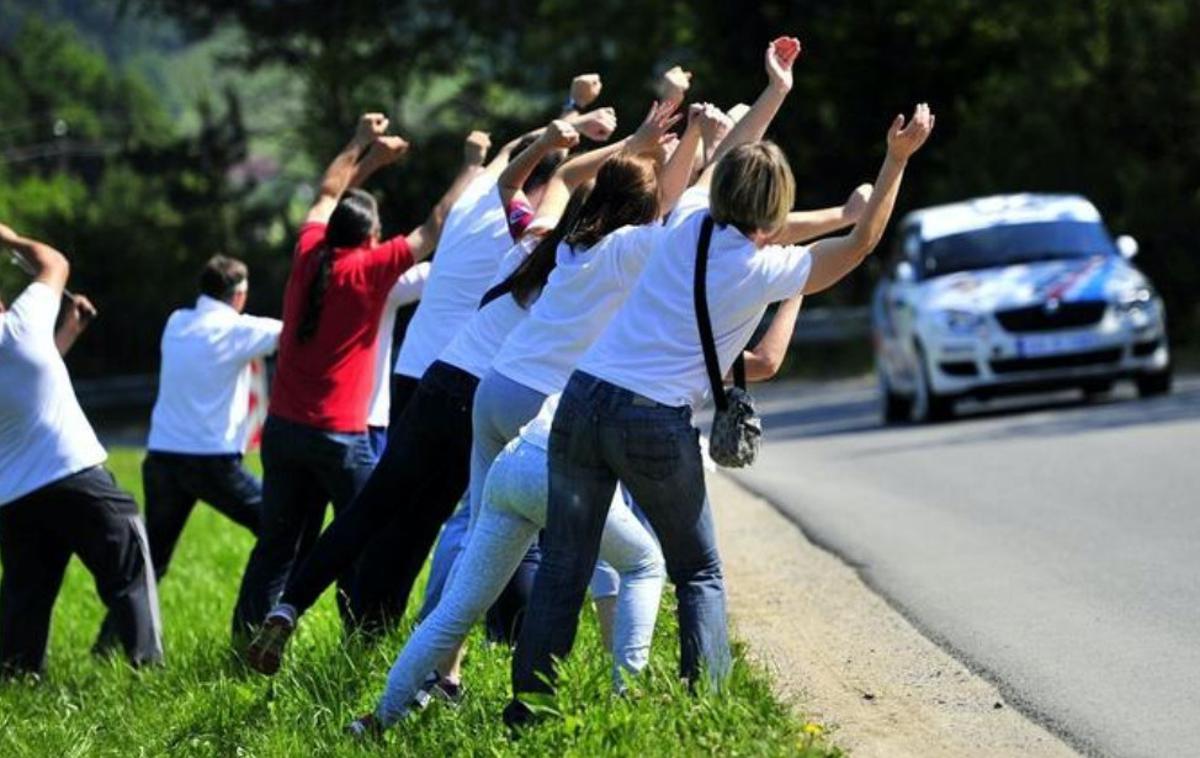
<point x="699" y="290"/>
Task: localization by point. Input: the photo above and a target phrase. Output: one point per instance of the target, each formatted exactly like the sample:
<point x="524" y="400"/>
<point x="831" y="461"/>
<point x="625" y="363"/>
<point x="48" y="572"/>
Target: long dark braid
<point x="353" y="221"/>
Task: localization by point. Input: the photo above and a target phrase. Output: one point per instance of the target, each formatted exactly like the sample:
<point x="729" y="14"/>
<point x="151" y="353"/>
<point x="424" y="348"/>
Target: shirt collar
<point x="206" y="304"/>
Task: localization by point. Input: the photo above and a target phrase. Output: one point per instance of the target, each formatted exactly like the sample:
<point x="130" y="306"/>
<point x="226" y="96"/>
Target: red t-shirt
<point x="327" y="382"/>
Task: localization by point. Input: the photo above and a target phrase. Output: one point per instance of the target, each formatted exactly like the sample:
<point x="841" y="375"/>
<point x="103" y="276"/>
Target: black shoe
<point x="518" y="716"/>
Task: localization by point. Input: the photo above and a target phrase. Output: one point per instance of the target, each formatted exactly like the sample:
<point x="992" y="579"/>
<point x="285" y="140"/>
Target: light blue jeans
<point x="514" y="509"/>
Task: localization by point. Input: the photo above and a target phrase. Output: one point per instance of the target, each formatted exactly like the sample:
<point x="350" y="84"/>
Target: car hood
<point x="983" y="290"/>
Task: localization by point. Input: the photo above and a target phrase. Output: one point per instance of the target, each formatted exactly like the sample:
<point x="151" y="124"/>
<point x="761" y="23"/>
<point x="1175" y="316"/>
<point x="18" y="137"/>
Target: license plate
<point x="1055" y="344"/>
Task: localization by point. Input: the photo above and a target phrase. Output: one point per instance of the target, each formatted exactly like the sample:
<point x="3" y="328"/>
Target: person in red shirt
<point x="315" y="447"/>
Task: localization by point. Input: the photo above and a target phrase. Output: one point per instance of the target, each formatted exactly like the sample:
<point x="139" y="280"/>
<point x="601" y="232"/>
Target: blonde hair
<point x="753" y="188"/>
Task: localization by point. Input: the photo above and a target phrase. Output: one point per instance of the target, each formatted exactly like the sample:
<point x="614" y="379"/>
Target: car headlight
<point x="1135" y="299"/>
<point x="961" y="323"/>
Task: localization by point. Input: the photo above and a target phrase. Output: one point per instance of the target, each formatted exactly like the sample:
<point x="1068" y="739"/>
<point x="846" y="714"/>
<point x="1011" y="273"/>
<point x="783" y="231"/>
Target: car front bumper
<point x="993" y="361"/>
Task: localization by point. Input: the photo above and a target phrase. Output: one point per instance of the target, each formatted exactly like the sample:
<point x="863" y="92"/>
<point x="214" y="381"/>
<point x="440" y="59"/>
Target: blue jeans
<point x="449" y="545"/>
<point x="304" y="468"/>
<point x="512" y="510"/>
<point x="603" y="434"/>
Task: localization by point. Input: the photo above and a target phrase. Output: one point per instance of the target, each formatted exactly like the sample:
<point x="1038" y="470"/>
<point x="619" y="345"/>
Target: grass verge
<point x="205" y="703"/>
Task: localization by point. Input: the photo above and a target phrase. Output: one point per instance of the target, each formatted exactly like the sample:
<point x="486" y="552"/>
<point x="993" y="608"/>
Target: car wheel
<point x="927" y="404"/>
<point x="1155" y="383"/>
<point x="895" y="407"/>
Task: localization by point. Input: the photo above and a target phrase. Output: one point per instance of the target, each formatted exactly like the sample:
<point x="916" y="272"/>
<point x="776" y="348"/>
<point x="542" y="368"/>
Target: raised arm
<point x="764" y="359"/>
<point x="76" y="318"/>
<point x="781" y="54"/>
<point x="802" y="226"/>
<point x="559" y="135"/>
<point x="39" y="260"/>
<point x="674" y="176"/>
<point x="423" y="239"/>
<point x="342" y="170"/>
<point x="833" y="258"/>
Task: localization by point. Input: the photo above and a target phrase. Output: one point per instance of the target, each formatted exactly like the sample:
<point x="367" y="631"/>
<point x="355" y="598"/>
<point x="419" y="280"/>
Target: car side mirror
<point x="905" y="272"/>
<point x="1127" y="246"/>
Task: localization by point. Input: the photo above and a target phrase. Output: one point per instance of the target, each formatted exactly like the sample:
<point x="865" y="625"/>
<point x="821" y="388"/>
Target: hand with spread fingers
<point x="905" y="139"/>
<point x="658" y="122"/>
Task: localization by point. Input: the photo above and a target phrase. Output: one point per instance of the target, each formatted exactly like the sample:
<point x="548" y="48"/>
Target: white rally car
<point x="1012" y="293"/>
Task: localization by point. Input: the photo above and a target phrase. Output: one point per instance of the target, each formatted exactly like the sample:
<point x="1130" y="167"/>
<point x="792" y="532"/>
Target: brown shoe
<point x="266" y="649"/>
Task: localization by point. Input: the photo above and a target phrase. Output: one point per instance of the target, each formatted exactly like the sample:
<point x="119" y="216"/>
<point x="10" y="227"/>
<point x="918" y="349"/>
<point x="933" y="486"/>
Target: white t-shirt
<point x="652" y="346"/>
<point x="537" y="431"/>
<point x="583" y="292"/>
<point x="406" y="290"/>
<point x="203" y="405"/>
<point x="476" y="344"/>
<point x="473" y="241"/>
<point x="44" y="435"/>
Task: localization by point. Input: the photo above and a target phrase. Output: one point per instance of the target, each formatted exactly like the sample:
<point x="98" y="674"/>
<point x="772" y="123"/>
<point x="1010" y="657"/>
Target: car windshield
<point x="1013" y="244"/>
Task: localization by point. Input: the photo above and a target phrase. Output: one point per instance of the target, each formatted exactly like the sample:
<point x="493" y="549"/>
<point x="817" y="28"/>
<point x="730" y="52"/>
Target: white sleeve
<point x="34" y="312"/>
<point x="409" y="286"/>
<point x="256" y="336"/>
<point x="693" y="200"/>
<point x="786" y="270"/>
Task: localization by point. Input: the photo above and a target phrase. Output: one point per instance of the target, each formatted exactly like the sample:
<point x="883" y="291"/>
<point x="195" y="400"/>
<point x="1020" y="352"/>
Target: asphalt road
<point x="1053" y="545"/>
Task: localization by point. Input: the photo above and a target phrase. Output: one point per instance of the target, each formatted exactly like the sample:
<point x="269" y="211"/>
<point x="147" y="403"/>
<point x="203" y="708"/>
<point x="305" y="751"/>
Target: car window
<point x="1012" y="244"/>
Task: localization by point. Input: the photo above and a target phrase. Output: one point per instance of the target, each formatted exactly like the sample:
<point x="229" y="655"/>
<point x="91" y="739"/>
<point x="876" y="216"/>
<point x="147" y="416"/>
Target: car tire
<point x="1155" y="384"/>
<point x="928" y="406"/>
<point x="896" y="408"/>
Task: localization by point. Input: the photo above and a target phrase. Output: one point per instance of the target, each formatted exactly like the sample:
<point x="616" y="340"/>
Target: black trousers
<point x="304" y="469"/>
<point x="173" y="482"/>
<point x="84" y="514"/>
<point x="390" y="527"/>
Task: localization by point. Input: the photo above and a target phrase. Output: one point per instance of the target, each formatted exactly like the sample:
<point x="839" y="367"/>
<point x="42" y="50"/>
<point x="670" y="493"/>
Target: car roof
<point x="999" y="210"/>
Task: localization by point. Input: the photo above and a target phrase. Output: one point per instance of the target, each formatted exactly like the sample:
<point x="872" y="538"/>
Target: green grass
<point x="204" y="703"/>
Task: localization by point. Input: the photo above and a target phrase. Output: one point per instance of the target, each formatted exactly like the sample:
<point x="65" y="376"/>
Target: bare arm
<point x="342" y="169"/>
<point x="674" y="176"/>
<point x="802" y="226"/>
<point x="77" y="317"/>
<point x="39" y="260"/>
<point x="833" y="258"/>
<point x="764" y="359"/>
<point x="781" y="54"/>
<point x="558" y="135"/>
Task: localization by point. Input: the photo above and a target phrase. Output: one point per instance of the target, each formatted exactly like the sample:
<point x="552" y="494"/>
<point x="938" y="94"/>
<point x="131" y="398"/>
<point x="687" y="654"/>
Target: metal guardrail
<point x="814" y="326"/>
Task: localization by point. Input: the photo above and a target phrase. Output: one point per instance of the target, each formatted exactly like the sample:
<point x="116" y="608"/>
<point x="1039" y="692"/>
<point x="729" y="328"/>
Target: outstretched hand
<point x="476" y="147"/>
<point x="597" y="125"/>
<point x="7" y="235"/>
<point x="904" y="140"/>
<point x="585" y="88"/>
<point x="658" y="121"/>
<point x="370" y="126"/>
<point x="713" y="122"/>
<point x="781" y="54"/>
<point x="560" y="135"/>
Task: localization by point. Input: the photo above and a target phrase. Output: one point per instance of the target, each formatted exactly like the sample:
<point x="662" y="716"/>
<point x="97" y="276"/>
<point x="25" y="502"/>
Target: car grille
<point x="1050" y="362"/>
<point x="1036" y="318"/>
